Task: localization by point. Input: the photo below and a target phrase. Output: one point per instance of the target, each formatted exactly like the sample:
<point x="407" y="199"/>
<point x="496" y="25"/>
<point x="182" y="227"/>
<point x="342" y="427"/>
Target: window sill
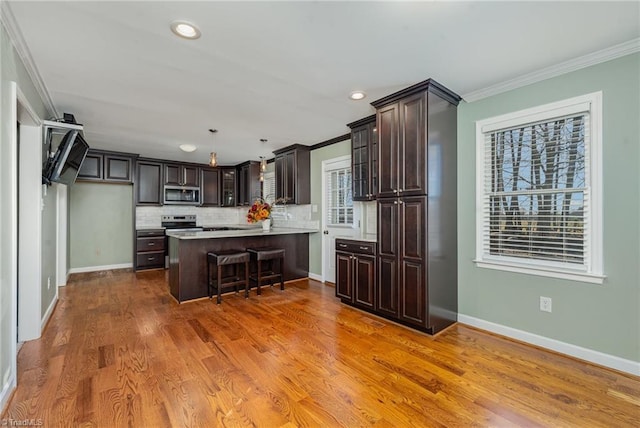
<point x="541" y="271"/>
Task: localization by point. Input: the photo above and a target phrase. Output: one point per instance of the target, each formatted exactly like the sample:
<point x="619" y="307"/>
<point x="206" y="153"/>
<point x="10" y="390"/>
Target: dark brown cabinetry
<point x="356" y="272"/>
<point x="402" y="136"/>
<point x="210" y="187"/>
<point x="181" y="175"/>
<point x="228" y="187"/>
<point x="292" y="174"/>
<point x="149" y="182"/>
<point x="249" y="188"/>
<point x="417" y="252"/>
<point x="103" y="166"/>
<point x="150" y="249"/>
<point x="364" y="158"/>
<point x="402" y="252"/>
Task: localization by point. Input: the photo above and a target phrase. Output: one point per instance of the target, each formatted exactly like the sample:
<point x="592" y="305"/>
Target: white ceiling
<point x="283" y="70"/>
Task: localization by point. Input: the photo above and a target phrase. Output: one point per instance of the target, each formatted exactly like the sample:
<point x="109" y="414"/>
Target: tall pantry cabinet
<point x="417" y="207"/>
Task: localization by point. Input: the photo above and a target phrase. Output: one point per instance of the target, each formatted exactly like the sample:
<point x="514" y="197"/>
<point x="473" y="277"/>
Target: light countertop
<point x="364" y="237"/>
<point x="239" y="233"/>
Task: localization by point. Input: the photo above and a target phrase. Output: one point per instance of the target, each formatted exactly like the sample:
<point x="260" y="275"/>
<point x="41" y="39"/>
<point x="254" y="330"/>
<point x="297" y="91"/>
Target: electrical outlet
<point x="48" y="282"/>
<point x="314" y="208"/>
<point x="545" y="304"/>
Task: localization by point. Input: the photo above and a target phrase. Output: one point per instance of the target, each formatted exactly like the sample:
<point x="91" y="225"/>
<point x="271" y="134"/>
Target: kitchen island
<point x="188" y="255"/>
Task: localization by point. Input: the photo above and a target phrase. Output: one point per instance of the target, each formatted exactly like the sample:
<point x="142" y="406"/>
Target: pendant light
<point x="213" y="157"/>
<point x="263" y="162"/>
<point x="263" y="167"/>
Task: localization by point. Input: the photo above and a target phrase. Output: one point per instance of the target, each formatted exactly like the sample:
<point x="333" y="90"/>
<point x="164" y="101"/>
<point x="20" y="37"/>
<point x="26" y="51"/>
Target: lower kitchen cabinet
<point x="356" y="272"/>
<point x="150" y="249"/>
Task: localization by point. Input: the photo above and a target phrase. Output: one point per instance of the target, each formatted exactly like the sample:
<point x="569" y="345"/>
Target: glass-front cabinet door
<point x="228" y="187"/>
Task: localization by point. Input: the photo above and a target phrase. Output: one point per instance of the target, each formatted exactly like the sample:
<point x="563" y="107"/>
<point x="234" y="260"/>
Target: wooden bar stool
<point x="218" y="260"/>
<point x="267" y="254"/>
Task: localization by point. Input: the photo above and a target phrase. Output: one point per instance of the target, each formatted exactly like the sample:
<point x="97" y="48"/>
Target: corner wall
<point x="602" y="318"/>
<point x="11" y="70"/>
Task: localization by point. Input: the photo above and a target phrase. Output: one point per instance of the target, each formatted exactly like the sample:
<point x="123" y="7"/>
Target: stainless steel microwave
<point x="180" y="195"/>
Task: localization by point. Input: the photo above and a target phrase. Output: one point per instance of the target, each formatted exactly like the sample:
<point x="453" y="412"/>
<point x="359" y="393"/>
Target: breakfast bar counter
<point x="188" y="255"/>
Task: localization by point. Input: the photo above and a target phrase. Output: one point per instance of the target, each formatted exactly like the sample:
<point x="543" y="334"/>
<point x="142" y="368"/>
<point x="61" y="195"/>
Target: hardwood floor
<point x="119" y="351"/>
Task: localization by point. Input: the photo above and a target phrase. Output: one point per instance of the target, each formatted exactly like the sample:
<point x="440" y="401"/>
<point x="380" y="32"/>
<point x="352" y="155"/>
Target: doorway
<point x="337" y="216"/>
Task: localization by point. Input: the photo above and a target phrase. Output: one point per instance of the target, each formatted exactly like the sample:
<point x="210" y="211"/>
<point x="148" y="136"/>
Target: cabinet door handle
<point x="400" y="202"/>
<point x="395" y="202"/>
<point x="399" y="190"/>
<point x="151" y="259"/>
<point x="364" y="248"/>
<point x="395" y="191"/>
<point x="342" y="245"/>
<point x="151" y="244"/>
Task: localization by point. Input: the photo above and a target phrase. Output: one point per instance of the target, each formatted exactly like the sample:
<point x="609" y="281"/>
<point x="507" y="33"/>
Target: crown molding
<point x="15" y="35"/>
<point x="613" y="52"/>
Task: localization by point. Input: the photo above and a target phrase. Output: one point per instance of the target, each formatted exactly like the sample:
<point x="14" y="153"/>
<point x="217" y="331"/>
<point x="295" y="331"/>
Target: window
<point x="539" y="190"/>
<point x="269" y="186"/>
<point x="340" y="199"/>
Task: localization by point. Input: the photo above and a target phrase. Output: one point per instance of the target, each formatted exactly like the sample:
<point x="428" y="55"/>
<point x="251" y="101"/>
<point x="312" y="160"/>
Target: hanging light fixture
<point x="213" y="157"/>
<point x="263" y="167"/>
<point x="263" y="162"/>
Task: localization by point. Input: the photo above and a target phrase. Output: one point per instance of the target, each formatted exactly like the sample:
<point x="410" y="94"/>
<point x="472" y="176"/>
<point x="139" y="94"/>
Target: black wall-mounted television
<point x="65" y="164"/>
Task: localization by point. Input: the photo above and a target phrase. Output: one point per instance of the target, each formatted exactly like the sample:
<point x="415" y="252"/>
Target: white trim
<point x="99" y="268"/>
<point x="5" y="395"/>
<point x="9" y="192"/>
<point x="596" y="357"/>
<point x="22" y="49"/>
<point x="49" y="311"/>
<point x="572" y="276"/>
<point x="613" y="52"/>
<point x="593" y="236"/>
<point x="316" y="277"/>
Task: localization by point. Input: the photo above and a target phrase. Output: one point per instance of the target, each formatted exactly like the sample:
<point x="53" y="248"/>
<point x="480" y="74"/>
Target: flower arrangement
<point x="260" y="210"/>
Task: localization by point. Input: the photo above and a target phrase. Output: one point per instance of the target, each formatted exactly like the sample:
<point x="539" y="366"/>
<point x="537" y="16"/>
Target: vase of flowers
<point x="260" y="210"/>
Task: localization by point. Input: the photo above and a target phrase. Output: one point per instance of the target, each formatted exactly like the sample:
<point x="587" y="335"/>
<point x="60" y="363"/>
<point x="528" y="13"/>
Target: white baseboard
<point x="316" y="277"/>
<point x="611" y="361"/>
<point x="5" y="395"/>
<point x="99" y="268"/>
<point x="47" y="314"/>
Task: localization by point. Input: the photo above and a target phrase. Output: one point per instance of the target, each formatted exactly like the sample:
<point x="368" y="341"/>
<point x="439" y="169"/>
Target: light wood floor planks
<point x="120" y="352"/>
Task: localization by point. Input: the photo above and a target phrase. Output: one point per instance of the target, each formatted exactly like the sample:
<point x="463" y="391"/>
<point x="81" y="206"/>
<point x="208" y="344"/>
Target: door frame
<point x="29" y="293"/>
<point x="323" y="219"/>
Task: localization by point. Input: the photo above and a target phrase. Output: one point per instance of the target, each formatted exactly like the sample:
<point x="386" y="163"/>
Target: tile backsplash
<point x="296" y="216"/>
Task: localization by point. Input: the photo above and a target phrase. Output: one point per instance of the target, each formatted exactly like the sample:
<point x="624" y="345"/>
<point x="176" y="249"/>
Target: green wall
<point x="101" y="224"/>
<point x="317" y="156"/>
<point x="604" y="317"/>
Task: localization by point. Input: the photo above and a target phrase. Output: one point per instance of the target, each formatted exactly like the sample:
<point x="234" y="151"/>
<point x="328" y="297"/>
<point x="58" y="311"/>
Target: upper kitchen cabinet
<point x="248" y="182"/>
<point x="364" y="158"/>
<point x="109" y="167"/>
<point x="228" y="187"/>
<point x="406" y="133"/>
<point x="210" y="187"/>
<point x="148" y="186"/>
<point x="292" y="166"/>
<point x="181" y="175"/>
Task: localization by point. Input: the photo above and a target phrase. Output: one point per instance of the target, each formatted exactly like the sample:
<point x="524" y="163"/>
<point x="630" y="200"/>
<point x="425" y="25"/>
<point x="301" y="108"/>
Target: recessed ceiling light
<point x="188" y="148"/>
<point x="357" y="95"/>
<point x="185" y="29"/>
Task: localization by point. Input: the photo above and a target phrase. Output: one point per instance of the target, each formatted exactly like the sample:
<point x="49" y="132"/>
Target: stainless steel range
<point x="178" y="223"/>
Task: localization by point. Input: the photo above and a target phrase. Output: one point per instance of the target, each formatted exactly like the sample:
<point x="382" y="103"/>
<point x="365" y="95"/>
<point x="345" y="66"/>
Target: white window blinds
<point x="339" y="197"/>
<point x="535" y="190"/>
